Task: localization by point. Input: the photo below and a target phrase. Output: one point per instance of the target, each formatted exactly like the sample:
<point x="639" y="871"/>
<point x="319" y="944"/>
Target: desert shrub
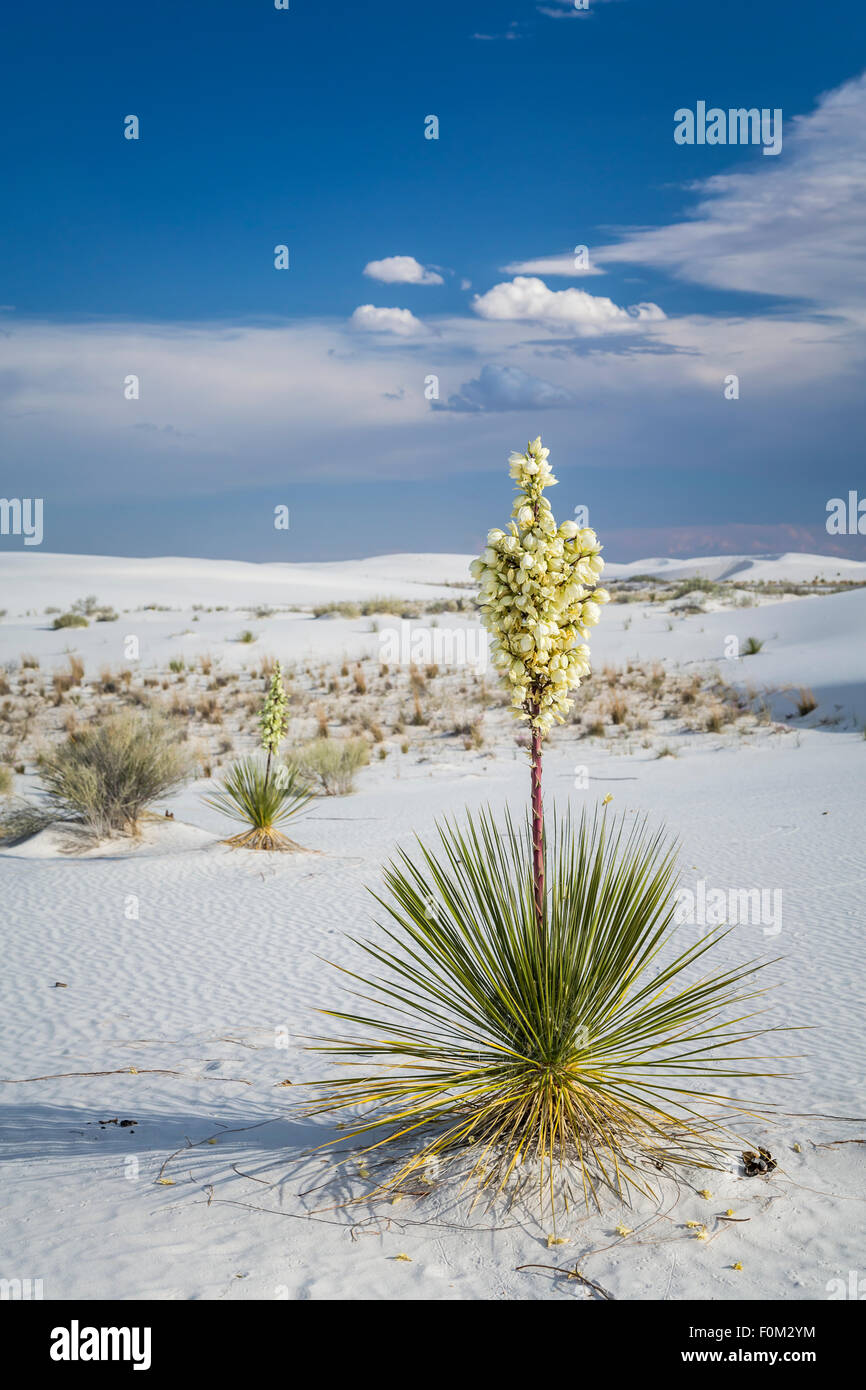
<point x="332" y="763"/>
<point x="5" y="780"/>
<point x="88" y="606"/>
<point x="337" y="610"/>
<point x="399" y="607"/>
<point x="106" y="615"/>
<point x="752" y="646"/>
<point x="70" y="620"/>
<point x="246" y="637"/>
<point x="105" y="775"/>
<point x="20" y="819"/>
<point x="696" y="585"/>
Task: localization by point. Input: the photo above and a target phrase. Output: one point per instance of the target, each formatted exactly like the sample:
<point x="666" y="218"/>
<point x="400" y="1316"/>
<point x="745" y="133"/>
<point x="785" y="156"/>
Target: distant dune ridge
<point x="32" y="580"/>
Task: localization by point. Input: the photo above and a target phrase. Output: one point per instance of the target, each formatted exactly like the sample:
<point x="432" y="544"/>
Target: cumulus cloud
<point x="402" y="270"/>
<point x="506" y="388"/>
<point x="528" y="299"/>
<point x="402" y="323"/>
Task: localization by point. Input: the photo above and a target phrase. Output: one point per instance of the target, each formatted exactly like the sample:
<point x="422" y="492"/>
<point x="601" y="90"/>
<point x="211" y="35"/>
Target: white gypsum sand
<point x="192" y="973"/>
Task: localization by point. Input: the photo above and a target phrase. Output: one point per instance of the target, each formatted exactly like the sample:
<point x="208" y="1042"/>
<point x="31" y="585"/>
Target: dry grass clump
<point x="617" y="709"/>
<point x="806" y="701"/>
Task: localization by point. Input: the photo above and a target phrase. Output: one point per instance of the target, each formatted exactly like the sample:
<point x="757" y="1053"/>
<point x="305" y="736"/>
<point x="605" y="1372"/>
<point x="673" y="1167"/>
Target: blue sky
<point x="306" y="387"/>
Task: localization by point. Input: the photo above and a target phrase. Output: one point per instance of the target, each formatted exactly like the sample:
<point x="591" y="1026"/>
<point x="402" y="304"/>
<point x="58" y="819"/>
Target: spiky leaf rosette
<point x="540" y="596"/>
<point x="274" y="719"/>
<point x="263" y="803"/>
<point x="592" y="1050"/>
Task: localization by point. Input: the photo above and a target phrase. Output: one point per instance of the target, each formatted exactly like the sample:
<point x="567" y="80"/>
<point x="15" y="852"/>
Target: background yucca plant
<point x="589" y="1046"/>
<point x="263" y="801"/>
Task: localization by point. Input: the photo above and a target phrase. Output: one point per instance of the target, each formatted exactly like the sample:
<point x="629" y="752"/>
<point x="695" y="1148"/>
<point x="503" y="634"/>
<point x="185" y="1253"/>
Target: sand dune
<point x="192" y="974"/>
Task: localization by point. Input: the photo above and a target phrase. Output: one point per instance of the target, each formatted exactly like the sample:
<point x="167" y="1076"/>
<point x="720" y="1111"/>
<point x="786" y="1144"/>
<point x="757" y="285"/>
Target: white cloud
<point x="566" y="9"/>
<point x="402" y="270"/>
<point x="400" y="322"/>
<point x="528" y="299"/>
<point x="793" y="229"/>
<point x="553" y="265"/>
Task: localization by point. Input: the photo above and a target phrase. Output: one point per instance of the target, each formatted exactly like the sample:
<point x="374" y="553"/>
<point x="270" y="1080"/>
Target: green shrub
<point x="752" y="646"/>
<point x="332" y="763"/>
<point x="337" y="610"/>
<point x="20" y="819"/>
<point x="70" y="620"/>
<point x="5" y="780"/>
<point x="106" y="774"/>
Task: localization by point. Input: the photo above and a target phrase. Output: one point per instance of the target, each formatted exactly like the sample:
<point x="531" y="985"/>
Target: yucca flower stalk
<point x="539" y="597"/>
<point x="274" y="718"/>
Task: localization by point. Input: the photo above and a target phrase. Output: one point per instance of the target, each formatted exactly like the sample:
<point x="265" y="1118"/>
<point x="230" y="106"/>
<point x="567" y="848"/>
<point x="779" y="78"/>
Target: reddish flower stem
<point x="537" y="829"/>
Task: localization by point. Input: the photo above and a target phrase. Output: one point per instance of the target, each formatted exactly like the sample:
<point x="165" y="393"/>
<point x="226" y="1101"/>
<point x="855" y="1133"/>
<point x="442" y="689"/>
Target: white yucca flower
<point x="540" y="596"/>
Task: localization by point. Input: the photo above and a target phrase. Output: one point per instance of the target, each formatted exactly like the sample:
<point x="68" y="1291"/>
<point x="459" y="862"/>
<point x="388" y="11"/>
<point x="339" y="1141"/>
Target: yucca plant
<point x="532" y="1011"/>
<point x="261" y="801"/>
<point x="586" y="1045"/>
<point x="253" y="794"/>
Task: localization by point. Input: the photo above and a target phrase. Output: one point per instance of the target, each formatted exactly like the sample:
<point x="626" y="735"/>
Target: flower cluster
<point x="539" y="595"/>
<point x="274" y="719"/>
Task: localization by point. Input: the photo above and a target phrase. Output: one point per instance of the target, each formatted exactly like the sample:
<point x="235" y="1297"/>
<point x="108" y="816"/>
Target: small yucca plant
<point x="253" y="794"/>
<point x="261" y="801"/>
<point x="533" y="1011"/>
